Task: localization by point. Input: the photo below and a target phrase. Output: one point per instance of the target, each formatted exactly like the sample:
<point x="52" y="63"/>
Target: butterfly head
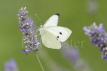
<point x="41" y="29"/>
<point x="41" y="26"/>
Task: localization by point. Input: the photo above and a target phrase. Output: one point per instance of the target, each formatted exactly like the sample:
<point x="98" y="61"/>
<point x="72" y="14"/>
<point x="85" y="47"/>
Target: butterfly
<point x="52" y="35"/>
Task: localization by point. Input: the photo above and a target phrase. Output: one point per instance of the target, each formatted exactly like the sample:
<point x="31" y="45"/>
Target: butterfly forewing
<point x="61" y="33"/>
<point x="52" y="21"/>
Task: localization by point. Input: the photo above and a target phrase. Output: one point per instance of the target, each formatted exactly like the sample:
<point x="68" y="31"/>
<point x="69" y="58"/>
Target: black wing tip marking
<point x="58" y="14"/>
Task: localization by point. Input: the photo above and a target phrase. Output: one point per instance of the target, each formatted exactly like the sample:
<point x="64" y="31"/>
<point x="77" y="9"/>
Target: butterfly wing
<point x="61" y="33"/>
<point x="49" y="40"/>
<point x="52" y="21"/>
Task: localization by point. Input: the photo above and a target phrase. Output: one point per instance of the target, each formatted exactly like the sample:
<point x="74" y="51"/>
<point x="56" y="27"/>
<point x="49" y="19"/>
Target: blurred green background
<point x="75" y="14"/>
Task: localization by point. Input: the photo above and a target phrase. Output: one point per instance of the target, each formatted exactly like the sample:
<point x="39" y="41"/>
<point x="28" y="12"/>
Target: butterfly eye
<point x="60" y="33"/>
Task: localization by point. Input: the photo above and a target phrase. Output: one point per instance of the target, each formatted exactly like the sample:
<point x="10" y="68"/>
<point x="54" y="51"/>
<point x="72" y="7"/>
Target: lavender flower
<point x="11" y="65"/>
<point x="91" y="6"/>
<point x="98" y="37"/>
<point x="72" y="54"/>
<point x="28" y="31"/>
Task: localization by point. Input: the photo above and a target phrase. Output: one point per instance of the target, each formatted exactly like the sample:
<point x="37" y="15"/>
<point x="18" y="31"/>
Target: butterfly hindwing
<point x="61" y="33"/>
<point x="49" y="40"/>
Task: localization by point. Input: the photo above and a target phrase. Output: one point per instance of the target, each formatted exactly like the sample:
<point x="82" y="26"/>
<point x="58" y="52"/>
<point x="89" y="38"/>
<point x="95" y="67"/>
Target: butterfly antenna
<point x="40" y="22"/>
<point x="39" y="62"/>
<point x="38" y="18"/>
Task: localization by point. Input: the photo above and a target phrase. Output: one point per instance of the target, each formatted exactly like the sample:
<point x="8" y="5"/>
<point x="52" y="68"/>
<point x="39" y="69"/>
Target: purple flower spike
<point x="28" y="30"/>
<point x="75" y="54"/>
<point x="101" y="28"/>
<point x="70" y="53"/>
<point x="98" y="37"/>
<point x="11" y="65"/>
<point x="85" y="28"/>
<point x="26" y="51"/>
<point x="31" y="22"/>
<point x="21" y="28"/>
<point x="97" y="42"/>
<point x="104" y="57"/>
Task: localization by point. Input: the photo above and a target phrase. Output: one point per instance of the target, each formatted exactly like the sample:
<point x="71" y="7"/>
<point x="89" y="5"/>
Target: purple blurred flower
<point x="28" y="31"/>
<point x="11" y="65"/>
<point x="98" y="37"/>
<point x="70" y="53"/>
<point x="91" y="6"/>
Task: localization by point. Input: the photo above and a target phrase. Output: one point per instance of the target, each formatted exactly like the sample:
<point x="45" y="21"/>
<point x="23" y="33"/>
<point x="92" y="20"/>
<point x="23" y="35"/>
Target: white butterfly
<point x="52" y="35"/>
